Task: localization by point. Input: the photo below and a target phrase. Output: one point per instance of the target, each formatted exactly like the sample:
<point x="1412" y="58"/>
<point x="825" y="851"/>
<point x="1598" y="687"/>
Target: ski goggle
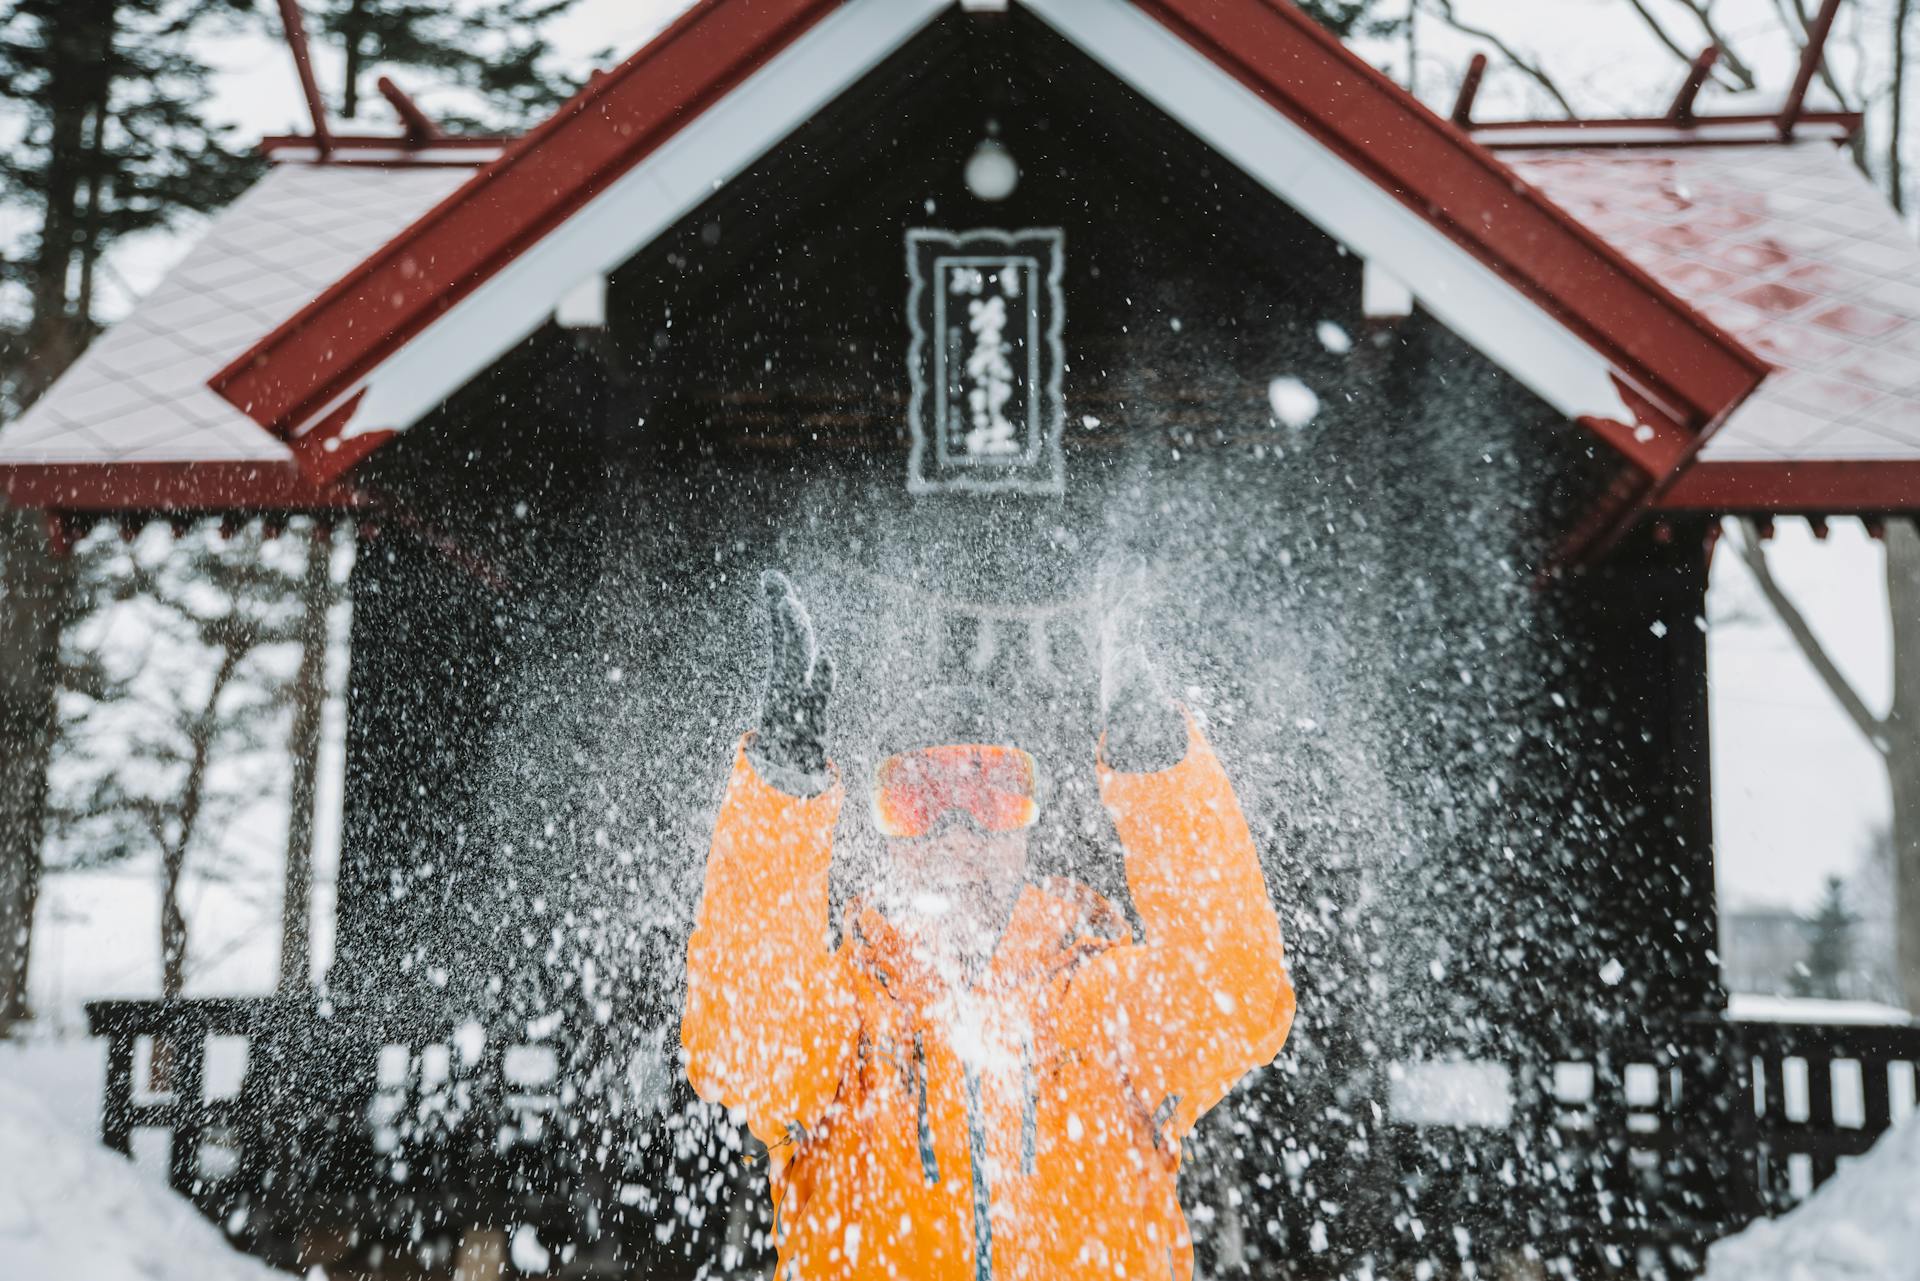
<point x="995" y="785"/>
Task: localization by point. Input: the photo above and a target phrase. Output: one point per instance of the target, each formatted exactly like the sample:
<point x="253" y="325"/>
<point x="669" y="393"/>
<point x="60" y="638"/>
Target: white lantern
<point x="992" y="173"/>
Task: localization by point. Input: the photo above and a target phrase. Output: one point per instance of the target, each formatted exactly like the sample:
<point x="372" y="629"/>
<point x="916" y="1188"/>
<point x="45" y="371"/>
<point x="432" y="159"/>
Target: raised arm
<point x="769" y="1022"/>
<point x="1204" y="997"/>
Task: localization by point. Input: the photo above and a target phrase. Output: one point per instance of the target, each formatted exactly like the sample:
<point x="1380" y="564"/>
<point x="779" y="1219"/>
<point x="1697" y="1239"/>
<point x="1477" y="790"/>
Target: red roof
<point x="1675" y="374"/>
<point x="1791" y="249"/>
<point x="132" y="424"/>
<point x="1609" y="234"/>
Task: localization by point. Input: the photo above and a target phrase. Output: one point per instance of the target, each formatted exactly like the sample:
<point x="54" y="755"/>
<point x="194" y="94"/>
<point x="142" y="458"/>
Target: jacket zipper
<point x="982" y="1194"/>
<point x="1028" y="1122"/>
<point x="929" y="1161"/>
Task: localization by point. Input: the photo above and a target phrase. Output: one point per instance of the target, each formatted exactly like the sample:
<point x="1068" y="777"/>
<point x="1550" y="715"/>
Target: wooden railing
<point x="1822" y="1093"/>
<point x="178" y="1034"/>
<point x="365" y="1129"/>
<point x="383" y="1122"/>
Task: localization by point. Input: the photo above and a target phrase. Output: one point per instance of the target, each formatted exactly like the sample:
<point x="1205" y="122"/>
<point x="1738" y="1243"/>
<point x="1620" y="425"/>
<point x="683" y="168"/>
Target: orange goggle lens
<point x="993" y="784"/>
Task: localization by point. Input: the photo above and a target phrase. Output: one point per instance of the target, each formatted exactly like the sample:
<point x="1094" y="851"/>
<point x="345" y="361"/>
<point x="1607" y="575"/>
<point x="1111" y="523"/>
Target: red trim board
<point x="1820" y="487"/>
<point x="170" y="487"/>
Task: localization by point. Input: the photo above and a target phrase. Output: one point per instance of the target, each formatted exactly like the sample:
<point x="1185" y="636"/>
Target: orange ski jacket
<point x="1026" y="1128"/>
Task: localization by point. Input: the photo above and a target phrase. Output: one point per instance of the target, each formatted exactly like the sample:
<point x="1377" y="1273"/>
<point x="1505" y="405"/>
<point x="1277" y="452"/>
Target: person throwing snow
<point x="989" y="1077"/>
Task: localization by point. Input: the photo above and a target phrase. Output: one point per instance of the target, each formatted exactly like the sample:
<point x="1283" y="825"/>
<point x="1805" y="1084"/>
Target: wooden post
<point x="1469" y="90"/>
<point x="189" y="1109"/>
<point x="116" y="1108"/>
<point x="1681" y="112"/>
<point x="1810" y="59"/>
<point x="309" y="711"/>
<point x="295" y="31"/>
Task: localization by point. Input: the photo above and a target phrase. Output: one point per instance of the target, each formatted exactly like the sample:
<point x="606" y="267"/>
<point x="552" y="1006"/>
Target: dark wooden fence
<point x="1821" y="1094"/>
<point x="391" y="1131"/>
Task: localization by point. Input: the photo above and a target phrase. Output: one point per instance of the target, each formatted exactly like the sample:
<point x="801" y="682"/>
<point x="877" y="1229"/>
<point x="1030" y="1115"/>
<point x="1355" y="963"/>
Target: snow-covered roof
<point x="139" y="394"/>
<point x="336" y="304"/>
<point x="1790" y="249"/>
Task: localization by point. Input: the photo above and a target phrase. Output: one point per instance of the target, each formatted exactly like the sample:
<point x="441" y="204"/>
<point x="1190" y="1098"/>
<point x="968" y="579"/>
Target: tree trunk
<point x="193" y="793"/>
<point x="88" y="246"/>
<point x="353" y="33"/>
<point x="78" y="78"/>
<point x="1902" y="750"/>
<point x="173" y="925"/>
<point x="1897" y="104"/>
<point x="35" y="591"/>
<point x="309" y="708"/>
<point x="173" y="959"/>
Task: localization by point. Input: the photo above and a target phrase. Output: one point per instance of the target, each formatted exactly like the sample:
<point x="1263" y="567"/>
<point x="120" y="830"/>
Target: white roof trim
<point x="1462" y="292"/>
<point x="643" y="203"/>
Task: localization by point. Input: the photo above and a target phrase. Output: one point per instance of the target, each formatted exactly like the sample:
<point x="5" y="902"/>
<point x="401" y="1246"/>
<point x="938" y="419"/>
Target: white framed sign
<point x="987" y="314"/>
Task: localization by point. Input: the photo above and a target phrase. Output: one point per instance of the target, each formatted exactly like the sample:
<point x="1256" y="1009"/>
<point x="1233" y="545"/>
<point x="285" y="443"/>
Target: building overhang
<point x="1263" y="84"/>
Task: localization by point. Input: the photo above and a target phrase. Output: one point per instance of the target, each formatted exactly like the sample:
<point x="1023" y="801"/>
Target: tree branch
<point x="1443" y="9"/>
<point x="1660" y="32"/>
<point x="1680" y="51"/>
<point x="1735" y="65"/>
<point x="1896" y="130"/>
<point x="1754" y="557"/>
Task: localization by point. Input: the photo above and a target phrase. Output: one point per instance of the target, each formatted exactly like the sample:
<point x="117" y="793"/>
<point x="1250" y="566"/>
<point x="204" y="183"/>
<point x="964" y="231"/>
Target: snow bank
<point x="68" y="1074"/>
<point x="72" y="1211"/>
<point x="1862" y="1225"/>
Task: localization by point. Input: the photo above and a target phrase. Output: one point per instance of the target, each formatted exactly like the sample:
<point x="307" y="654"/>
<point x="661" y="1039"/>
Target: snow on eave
<point x="1747" y="1007"/>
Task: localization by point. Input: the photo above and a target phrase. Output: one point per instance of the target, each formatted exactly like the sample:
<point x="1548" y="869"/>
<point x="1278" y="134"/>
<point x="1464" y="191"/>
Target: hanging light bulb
<point x="992" y="173"/>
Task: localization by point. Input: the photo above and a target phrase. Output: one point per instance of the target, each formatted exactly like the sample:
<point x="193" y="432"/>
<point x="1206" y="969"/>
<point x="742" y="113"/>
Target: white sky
<point x="1796" y="790"/>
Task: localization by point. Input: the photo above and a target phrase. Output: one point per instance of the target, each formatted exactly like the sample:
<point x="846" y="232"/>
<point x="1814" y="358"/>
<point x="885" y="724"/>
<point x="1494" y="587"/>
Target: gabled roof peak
<point x="1259" y="82"/>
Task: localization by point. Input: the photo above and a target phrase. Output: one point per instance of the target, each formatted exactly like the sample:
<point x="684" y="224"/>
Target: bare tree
<point x="1736" y="68"/>
<point x="1895" y="736"/>
<point x="1532" y="68"/>
<point x="168" y="766"/>
<point x="111" y="141"/>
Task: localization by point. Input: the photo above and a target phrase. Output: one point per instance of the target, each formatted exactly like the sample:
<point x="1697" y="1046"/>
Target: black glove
<point x="790" y="751"/>
<point x="1146" y="732"/>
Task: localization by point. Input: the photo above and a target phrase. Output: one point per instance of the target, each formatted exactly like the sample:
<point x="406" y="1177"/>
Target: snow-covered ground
<point x="1862" y="1225"/>
<point x="72" y="1211"/>
<point x="66" y="1073"/>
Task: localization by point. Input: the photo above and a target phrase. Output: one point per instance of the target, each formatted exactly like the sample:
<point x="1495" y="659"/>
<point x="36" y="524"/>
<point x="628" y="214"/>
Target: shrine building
<point x="1421" y="428"/>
